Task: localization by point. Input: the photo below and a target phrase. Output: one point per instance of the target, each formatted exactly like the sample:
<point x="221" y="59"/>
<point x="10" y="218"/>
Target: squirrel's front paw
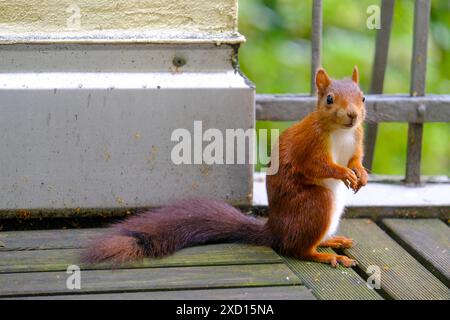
<point x="349" y="178"/>
<point x="361" y="174"/>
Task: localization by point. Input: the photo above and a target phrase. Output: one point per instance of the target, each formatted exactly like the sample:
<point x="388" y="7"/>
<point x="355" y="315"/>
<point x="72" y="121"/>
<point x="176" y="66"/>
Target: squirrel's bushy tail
<point x="185" y="223"/>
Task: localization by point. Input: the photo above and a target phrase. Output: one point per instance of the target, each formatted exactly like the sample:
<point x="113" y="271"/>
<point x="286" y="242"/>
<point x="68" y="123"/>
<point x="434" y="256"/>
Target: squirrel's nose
<point x="352" y="115"/>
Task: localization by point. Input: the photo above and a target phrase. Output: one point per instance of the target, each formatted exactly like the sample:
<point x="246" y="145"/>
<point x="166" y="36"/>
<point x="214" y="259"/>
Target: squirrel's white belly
<point x="343" y="145"/>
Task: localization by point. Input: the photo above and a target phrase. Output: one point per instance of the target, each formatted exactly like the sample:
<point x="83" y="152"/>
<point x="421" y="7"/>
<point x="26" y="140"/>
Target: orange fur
<point x="300" y="204"/>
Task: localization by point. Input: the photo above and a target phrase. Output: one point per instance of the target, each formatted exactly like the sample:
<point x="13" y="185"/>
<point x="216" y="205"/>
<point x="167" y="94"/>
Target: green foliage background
<point x="277" y="54"/>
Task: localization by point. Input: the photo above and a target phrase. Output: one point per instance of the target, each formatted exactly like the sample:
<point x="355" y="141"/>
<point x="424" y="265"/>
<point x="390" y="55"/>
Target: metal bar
<point x="420" y="45"/>
<point x="414" y="153"/>
<point x="370" y="141"/>
<point x="380" y="108"/>
<point x="382" y="47"/>
<point x="418" y="75"/>
<point x="316" y="41"/>
<point x="378" y="73"/>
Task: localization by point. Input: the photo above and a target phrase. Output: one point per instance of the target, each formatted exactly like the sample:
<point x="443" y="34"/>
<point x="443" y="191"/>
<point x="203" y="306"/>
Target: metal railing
<point x="415" y="108"/>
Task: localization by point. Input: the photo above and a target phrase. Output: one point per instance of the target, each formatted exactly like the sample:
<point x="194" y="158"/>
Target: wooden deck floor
<point x="413" y="257"/>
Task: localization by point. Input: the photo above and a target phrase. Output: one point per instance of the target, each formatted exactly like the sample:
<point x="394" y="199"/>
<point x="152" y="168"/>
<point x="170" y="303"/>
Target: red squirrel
<point x="318" y="157"/>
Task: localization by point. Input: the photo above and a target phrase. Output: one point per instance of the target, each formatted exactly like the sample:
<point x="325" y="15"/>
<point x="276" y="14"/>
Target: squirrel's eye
<point x="364" y="99"/>
<point x="329" y="99"/>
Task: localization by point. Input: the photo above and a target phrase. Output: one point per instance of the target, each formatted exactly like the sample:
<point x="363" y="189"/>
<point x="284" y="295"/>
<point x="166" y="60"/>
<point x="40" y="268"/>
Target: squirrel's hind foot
<point x="338" y="242"/>
<point x="330" y="258"/>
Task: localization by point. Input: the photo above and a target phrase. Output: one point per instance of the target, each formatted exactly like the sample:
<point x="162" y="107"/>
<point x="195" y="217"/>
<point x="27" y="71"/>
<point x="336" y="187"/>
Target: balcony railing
<point x="415" y="108"/>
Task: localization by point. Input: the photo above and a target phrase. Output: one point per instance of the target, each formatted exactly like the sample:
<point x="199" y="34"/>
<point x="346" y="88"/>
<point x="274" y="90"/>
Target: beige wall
<point x="105" y="19"/>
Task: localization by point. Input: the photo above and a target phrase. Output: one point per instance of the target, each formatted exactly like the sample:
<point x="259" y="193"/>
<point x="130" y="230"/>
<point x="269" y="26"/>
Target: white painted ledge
<point x="123" y="37"/>
<point x="377" y="194"/>
<point x="114" y="21"/>
<point x="159" y="80"/>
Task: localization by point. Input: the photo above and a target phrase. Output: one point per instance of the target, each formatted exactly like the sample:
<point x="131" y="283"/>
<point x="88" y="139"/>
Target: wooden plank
<point x="402" y="277"/>
<point x="59" y="259"/>
<point x="316" y="41"/>
<point x="329" y="283"/>
<point x="296" y="292"/>
<point x="380" y="108"/>
<point x="428" y="240"/>
<point x="47" y="239"/>
<point x="149" y="279"/>
<point x="378" y="73"/>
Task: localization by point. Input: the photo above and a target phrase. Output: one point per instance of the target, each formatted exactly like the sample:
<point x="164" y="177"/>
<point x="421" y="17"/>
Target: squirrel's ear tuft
<point x="322" y="79"/>
<point x="355" y="75"/>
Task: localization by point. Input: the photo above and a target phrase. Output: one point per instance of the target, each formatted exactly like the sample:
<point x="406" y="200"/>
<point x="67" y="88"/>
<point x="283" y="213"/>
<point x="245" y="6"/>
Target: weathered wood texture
<point x="59" y="259"/>
<point x="428" y="240"/>
<point x="378" y="73"/>
<point x="402" y="277"/>
<point x="316" y="41"/>
<point x="102" y="281"/>
<point x="295" y="292"/>
<point x="47" y="239"/>
<point x="380" y="108"/>
<point x="34" y="264"/>
<point x="331" y="284"/>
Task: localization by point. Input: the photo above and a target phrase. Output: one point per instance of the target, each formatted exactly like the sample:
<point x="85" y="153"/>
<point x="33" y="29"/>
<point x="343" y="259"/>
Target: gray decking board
<point x="332" y="283"/>
<point x="402" y="277"/>
<point x="209" y="255"/>
<point x="122" y="280"/>
<point x="296" y="292"/>
<point x="33" y="264"/>
<point x="47" y="239"/>
<point x="427" y="239"/>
